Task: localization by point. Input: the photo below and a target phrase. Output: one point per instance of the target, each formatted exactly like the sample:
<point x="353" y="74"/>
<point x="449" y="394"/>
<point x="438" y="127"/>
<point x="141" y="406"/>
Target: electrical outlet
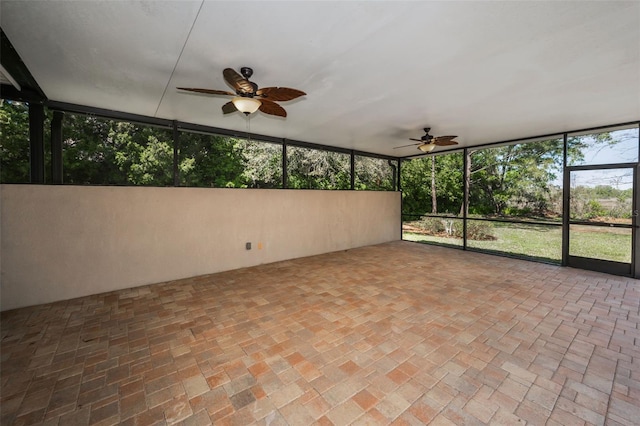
<point x="248" y="246"/>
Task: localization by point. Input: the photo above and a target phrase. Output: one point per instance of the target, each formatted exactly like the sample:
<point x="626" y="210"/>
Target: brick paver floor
<point x="396" y="333"/>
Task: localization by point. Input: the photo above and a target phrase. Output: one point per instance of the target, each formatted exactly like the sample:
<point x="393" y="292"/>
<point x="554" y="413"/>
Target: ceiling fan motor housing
<point x="247" y="72"/>
<point x="248" y="94"/>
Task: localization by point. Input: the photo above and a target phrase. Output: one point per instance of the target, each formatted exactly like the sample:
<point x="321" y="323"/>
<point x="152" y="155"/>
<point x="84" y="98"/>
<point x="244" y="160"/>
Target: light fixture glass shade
<point x="246" y="105"/>
<point x="426" y="147"/>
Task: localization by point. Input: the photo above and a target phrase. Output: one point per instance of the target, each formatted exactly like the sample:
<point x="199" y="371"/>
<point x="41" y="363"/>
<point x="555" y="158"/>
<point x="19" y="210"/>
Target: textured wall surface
<point x="61" y="242"/>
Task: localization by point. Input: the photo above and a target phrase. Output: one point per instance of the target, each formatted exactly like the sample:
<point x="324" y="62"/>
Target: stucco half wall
<point x="62" y="242"/>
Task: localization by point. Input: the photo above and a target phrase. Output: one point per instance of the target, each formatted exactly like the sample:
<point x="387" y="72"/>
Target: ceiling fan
<point x="248" y="98"/>
<point x="427" y="143"/>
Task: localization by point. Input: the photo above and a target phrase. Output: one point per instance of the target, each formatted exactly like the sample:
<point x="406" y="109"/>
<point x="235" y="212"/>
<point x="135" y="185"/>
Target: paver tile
<point x="366" y="336"/>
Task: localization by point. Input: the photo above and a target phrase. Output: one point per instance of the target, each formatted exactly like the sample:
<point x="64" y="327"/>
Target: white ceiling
<point x="375" y="73"/>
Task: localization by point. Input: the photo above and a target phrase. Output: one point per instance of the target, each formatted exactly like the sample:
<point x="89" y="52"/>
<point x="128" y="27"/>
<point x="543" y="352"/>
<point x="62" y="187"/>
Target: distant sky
<point x="625" y="151"/>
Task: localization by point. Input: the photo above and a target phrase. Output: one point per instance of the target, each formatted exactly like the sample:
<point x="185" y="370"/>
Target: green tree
<point x="144" y="154"/>
<point x="414" y="183"/>
<point x="375" y="174"/>
<point x="262" y="164"/>
<point x="417" y="184"/>
<point x="211" y="161"/>
<point x="109" y="152"/>
<point x="101" y="151"/>
<point x="514" y="179"/>
<point x="317" y="169"/>
<point x="89" y="151"/>
<point x="14" y="142"/>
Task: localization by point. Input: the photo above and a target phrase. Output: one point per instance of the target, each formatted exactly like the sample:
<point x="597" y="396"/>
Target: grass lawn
<point x="600" y="242"/>
<point x="420" y="238"/>
<point x="545" y="242"/>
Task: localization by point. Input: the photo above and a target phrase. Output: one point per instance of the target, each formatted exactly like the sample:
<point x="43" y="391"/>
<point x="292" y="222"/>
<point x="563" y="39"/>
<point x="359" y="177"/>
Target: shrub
<point x="516" y="211"/>
<point x="475" y="230"/>
<point x="595" y="209"/>
<point x="432" y="225"/>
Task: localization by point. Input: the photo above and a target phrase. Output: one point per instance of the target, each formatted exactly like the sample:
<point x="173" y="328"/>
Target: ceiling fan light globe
<point x="246" y="105"/>
<point x="427" y="147"/>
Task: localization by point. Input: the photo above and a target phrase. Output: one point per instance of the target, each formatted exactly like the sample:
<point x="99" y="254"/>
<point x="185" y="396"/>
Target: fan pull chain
<point x="248" y="128"/>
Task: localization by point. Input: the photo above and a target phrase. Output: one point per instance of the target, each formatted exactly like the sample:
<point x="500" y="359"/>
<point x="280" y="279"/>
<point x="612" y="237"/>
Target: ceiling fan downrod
<point x="246" y="72"/>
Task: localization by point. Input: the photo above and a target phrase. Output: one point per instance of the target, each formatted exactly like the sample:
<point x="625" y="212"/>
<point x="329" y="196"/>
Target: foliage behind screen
<point x="99" y="151"/>
<point x="315" y="169"/>
<point x="14" y="142"/>
<point x="375" y="173"/>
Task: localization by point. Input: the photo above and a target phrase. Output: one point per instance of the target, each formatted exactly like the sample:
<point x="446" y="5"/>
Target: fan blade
<point x="280" y="93"/>
<point x="272" y="108"/>
<point x="238" y="82"/>
<point x="206" y="91"/>
<point x="414" y="139"/>
<point x="411" y="144"/>
<point x="228" y="108"/>
<point x="445" y="142"/>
